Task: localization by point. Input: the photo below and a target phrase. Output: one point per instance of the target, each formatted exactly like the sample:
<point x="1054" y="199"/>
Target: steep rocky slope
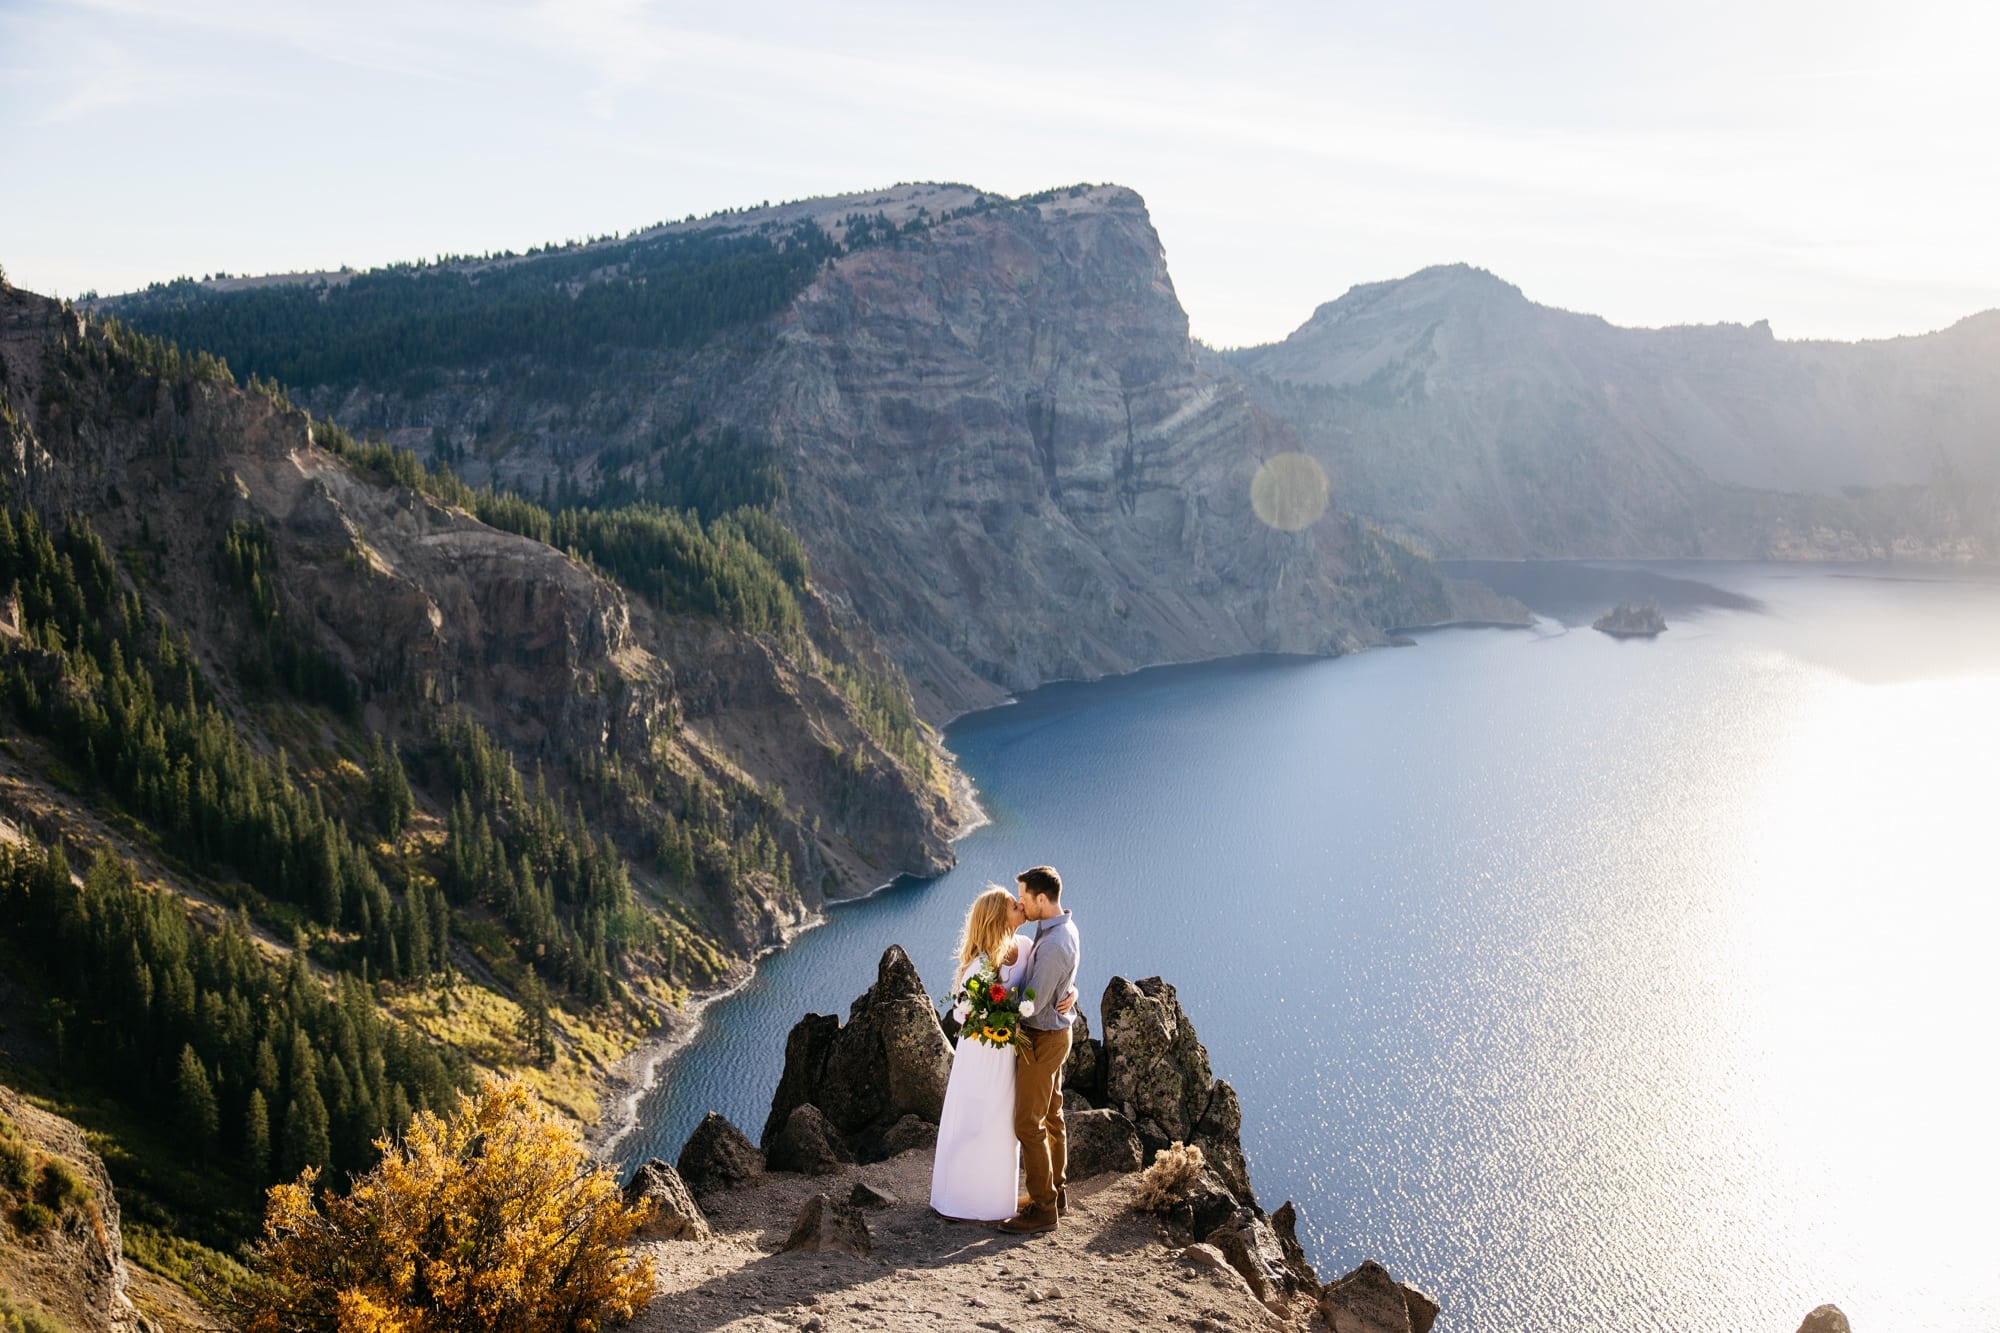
<point x="60" y="1253"/>
<point x="364" y="791"/>
<point x="1449" y="407"/>
<point x="1000" y="445"/>
<point x="423" y="608"/>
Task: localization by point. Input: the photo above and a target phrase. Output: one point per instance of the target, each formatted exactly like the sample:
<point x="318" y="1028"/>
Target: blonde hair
<point x="986" y="928"/>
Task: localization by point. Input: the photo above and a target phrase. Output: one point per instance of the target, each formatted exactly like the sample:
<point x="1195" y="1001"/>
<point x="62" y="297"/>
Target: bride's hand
<point x="1067" y="1004"/>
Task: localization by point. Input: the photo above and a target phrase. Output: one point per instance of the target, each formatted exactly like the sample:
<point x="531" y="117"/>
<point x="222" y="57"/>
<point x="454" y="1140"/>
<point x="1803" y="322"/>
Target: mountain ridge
<point x="1455" y="411"/>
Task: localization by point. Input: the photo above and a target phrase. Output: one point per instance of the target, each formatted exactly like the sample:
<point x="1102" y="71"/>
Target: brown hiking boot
<point x="1035" y="1217"/>
<point x="1027" y="1201"/>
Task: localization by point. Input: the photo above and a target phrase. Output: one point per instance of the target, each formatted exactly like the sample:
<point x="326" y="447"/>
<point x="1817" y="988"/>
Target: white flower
<point x="1027" y="1008"/>
<point x="959" y="1011"/>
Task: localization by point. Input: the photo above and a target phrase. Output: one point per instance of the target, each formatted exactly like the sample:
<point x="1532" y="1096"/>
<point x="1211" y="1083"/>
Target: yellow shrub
<point x="490" y="1219"/>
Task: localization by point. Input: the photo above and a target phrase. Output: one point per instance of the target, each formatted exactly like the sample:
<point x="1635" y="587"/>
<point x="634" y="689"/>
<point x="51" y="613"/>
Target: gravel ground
<point x="1109" y="1267"/>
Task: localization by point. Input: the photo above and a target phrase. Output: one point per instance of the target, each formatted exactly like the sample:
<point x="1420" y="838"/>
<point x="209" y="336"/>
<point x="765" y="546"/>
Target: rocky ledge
<point x="825" y="1224"/>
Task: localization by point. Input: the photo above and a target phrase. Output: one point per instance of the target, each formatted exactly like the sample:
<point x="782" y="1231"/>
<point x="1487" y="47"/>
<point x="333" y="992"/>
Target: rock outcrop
<point x="889" y="1062"/>
<point x="61" y="1253"/>
<point x="718" y="1155"/>
<point x="1213" y="1258"/>
<point x="829" y="1224"/>
<point x="675" y="1214"/>
<point x="1369" y="1300"/>
<point x="1155" y="1072"/>
<point x="1825" y="1319"/>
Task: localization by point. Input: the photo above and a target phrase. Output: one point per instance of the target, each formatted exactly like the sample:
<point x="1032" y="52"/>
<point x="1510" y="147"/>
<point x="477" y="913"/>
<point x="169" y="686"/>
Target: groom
<point x="1038" y="1110"/>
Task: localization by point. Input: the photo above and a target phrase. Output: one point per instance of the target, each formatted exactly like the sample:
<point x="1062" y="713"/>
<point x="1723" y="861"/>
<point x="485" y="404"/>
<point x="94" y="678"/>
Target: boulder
<point x="907" y="1133"/>
<point x="1101" y="1141"/>
<point x="865" y="1195"/>
<point x="1246" y="1241"/>
<point x="807" y="1144"/>
<point x="806" y="1048"/>
<point x="888" y="1061"/>
<point x="1285" y="1226"/>
<point x="828" y="1224"/>
<point x="718" y="1156"/>
<point x="1825" y="1319"/>
<point x="1369" y="1300"/>
<point x="676" y="1216"/>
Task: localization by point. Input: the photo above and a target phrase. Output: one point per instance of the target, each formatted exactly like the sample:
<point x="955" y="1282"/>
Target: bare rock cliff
<point x="1011" y="458"/>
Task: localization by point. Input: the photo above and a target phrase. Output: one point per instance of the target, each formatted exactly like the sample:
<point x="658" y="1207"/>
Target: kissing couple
<point x="1003" y="1106"/>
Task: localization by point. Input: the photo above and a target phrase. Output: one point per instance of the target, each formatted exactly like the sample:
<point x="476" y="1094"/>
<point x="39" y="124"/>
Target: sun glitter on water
<point x="1289" y="491"/>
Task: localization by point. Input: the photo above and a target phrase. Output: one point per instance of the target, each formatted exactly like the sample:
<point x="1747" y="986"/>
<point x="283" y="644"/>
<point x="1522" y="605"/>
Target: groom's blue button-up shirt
<point x="1052" y="971"/>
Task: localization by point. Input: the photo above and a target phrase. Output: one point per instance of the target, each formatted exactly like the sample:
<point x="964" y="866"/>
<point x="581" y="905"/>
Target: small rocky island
<point x="1627" y="621"/>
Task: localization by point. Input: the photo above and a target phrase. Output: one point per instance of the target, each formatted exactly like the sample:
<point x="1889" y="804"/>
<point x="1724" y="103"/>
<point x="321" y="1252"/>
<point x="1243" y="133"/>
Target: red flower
<point x="999" y="994"/>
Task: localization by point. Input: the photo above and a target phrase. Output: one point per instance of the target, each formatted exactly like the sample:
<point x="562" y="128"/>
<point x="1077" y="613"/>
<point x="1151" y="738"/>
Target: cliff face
<point x="1013" y="461"/>
<point x="1449" y="407"/>
<point x="1003" y="452"/>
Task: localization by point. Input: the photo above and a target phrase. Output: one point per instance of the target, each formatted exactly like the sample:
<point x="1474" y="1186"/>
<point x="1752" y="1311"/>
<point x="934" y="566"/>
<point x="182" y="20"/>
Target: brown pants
<point x="1038" y="1113"/>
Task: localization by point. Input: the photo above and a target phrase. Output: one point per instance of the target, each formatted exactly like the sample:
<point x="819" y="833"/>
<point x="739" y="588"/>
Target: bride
<point x="978" y="1157"/>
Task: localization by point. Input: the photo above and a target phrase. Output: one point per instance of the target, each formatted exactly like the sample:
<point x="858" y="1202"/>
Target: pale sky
<point x="1830" y="167"/>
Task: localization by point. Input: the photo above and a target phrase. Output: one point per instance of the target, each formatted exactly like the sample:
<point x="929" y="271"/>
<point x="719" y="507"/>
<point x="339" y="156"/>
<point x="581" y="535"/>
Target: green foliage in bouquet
<point x="992" y="1013"/>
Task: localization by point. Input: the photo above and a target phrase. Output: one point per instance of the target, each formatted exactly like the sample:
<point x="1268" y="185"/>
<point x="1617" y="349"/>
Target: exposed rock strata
<point x="423" y="607"/>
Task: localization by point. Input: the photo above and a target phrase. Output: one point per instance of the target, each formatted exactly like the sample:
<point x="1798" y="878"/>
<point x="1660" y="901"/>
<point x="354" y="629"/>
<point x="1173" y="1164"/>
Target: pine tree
<point x="536" y="1028"/>
<point x="308" y="1142"/>
<point x="257" y="1138"/>
<point x="194" y="1099"/>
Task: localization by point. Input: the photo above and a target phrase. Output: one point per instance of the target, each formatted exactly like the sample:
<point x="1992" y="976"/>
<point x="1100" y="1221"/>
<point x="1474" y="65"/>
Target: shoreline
<point x="624" y="1087"/>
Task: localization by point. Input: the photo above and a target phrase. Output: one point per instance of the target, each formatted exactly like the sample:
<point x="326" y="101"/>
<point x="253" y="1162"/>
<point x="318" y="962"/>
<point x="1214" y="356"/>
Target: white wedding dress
<point x="977" y="1171"/>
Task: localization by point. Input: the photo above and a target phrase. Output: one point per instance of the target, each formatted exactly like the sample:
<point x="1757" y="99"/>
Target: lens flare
<point x="1289" y="491"/>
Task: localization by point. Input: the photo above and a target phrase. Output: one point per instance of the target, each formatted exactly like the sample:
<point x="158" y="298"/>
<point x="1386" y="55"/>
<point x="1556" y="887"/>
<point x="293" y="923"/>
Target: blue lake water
<point x="1625" y="985"/>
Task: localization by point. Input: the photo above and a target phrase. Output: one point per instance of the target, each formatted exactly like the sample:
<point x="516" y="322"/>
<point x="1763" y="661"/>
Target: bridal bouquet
<point x="990" y="1012"/>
